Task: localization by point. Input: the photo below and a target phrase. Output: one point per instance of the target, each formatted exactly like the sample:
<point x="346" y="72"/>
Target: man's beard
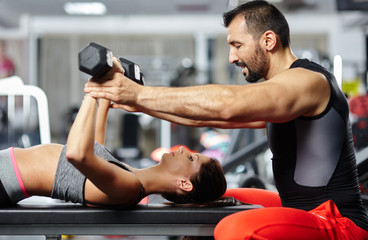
<point x="258" y="61"/>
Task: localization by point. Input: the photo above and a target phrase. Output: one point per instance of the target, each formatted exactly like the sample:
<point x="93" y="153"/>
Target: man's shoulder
<point x="299" y="74"/>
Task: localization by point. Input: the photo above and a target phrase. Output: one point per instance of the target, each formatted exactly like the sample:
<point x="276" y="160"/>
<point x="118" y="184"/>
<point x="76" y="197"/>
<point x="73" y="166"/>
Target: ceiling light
<point x="85" y="8"/>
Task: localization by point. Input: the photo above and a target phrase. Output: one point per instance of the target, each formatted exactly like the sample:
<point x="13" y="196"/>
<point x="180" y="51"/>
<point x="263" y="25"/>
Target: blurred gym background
<point x="176" y="43"/>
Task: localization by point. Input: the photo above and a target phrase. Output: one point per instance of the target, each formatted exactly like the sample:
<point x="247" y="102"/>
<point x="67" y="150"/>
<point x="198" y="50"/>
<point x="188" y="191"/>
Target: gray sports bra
<point x="69" y="182"/>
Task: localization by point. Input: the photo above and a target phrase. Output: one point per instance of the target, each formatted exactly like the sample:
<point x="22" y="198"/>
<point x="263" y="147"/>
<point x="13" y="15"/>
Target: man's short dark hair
<point x="261" y="16"/>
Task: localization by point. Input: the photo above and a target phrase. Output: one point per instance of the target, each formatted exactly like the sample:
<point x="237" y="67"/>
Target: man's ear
<point x="270" y="40"/>
<point x="185" y="185"/>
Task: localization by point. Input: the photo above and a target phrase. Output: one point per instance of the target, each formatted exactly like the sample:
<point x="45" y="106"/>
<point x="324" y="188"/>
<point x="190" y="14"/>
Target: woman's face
<point x="183" y="161"/>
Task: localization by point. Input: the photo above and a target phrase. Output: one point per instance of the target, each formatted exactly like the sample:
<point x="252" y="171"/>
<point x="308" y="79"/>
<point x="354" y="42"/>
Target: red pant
<point x="276" y="222"/>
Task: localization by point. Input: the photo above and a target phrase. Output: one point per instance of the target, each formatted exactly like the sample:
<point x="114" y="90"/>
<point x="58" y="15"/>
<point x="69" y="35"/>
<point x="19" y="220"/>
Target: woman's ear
<point x="185" y="185"/>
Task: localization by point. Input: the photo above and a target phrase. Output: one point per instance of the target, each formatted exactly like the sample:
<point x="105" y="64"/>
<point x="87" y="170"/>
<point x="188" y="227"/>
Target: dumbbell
<point x="96" y="61"/>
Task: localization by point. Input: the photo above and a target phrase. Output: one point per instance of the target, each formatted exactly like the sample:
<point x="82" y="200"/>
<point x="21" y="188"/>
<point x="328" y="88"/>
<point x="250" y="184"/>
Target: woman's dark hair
<point x="209" y="184"/>
<point x="260" y="17"/>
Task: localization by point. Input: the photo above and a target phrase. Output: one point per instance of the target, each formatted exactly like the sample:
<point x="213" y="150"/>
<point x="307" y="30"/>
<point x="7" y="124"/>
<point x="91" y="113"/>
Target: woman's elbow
<point x="74" y="154"/>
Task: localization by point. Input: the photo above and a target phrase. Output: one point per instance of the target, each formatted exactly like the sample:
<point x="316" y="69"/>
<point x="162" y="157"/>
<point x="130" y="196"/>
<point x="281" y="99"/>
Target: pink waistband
<point x="17" y="173"/>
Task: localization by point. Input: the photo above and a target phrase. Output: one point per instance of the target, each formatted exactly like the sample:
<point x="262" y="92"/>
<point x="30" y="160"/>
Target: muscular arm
<point x="290" y="94"/>
<point x="190" y="122"/>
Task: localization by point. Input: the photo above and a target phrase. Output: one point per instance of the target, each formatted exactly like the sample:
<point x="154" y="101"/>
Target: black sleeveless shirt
<point x="314" y="158"/>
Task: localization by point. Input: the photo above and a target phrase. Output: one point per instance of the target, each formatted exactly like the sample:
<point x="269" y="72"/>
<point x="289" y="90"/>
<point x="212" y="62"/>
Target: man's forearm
<point x="191" y="122"/>
<point x="207" y="102"/>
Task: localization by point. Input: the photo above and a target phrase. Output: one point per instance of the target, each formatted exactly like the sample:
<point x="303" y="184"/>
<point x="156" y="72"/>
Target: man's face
<point x="245" y="52"/>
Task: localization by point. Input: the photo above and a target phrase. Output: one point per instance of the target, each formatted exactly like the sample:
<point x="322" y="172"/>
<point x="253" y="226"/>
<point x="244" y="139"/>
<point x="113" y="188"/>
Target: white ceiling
<point x="11" y="10"/>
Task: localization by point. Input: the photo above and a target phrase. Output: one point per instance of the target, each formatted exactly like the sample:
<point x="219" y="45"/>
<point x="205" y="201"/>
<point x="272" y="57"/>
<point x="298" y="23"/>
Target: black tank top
<point x="314" y="158"/>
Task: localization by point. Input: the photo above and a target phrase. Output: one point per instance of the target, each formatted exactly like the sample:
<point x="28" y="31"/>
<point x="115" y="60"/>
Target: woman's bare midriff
<point x="37" y="167"/>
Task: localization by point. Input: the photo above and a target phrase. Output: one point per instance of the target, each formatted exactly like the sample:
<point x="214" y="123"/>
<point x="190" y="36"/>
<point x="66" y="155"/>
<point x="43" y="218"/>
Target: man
<point x="307" y="120"/>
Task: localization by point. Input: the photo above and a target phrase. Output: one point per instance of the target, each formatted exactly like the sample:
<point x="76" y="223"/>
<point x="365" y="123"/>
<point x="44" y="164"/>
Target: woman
<point x="84" y="172"/>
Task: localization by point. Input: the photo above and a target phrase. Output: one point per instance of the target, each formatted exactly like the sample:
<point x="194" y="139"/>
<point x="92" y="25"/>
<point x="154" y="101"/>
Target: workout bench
<point x="56" y="219"/>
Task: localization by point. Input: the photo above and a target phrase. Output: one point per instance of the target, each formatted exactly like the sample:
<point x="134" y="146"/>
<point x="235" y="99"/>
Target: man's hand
<point x="114" y="87"/>
<point x="116" y="68"/>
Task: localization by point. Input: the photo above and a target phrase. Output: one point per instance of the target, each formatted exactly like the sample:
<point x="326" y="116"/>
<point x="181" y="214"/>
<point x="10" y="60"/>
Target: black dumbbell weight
<point x="132" y="70"/>
<point x="96" y="60"/>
